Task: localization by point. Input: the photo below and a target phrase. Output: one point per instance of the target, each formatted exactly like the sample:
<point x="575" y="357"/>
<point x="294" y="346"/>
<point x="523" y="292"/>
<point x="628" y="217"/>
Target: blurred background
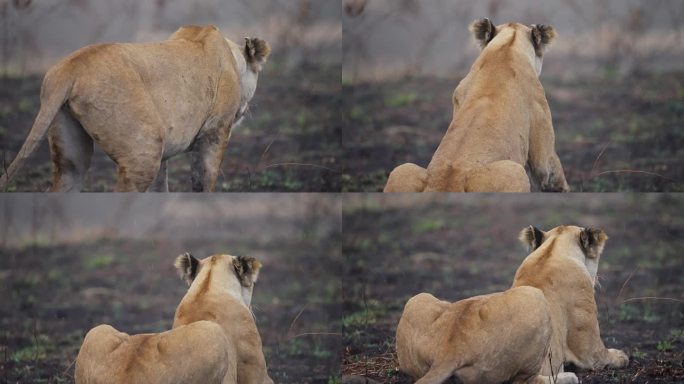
<point x="291" y="141"/>
<point x="614" y="79"/>
<point x="458" y="246"/>
<point x="69" y="263"/>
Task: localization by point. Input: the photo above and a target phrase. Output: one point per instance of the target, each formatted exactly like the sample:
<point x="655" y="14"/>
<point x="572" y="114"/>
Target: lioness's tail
<point x="54" y="93"/>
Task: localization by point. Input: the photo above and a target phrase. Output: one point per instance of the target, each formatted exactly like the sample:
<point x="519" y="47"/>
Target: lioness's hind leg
<point x="206" y="163"/>
<point x="437" y="374"/>
<point x="499" y="176"/>
<point x="71" y="149"/>
<point x="161" y="182"/>
<point x="136" y="173"/>
<point x="406" y="178"/>
<point x="617" y="358"/>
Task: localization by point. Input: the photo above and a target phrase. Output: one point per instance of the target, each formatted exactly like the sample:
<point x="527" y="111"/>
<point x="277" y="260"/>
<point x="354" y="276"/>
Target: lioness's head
<point x="583" y="244"/>
<point x="535" y="38"/>
<point x="235" y="275"/>
<point x="249" y="58"/>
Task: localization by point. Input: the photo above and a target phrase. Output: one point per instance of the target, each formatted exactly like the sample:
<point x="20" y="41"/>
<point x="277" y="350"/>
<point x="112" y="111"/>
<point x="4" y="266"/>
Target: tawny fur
<point x="214" y="337"/>
<point x="143" y="104"/>
<point x="493" y="338"/>
<point x="563" y="265"/>
<point x="501" y="122"/>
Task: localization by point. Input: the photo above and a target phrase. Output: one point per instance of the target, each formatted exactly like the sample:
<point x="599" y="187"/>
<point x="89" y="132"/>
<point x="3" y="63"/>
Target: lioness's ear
<point x="483" y="30"/>
<point x="187" y="266"/>
<point x="247" y="270"/>
<point x="592" y="241"/>
<point x="531" y="237"/>
<point x="256" y="51"/>
<point x="542" y="36"/>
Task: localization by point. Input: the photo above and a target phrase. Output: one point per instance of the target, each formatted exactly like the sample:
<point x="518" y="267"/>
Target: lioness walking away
<point x="143" y="104"/>
<point x="501" y="121"/>
<point x="214" y="337"/>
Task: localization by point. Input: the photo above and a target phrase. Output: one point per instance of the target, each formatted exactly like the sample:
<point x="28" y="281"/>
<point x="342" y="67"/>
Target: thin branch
<point x="652" y="298"/>
<point x="599" y="156"/>
<point x="294" y="321"/>
<point x="317" y="334"/>
<point x="632" y="171"/>
<point x="263" y="154"/>
<point x="300" y="164"/>
<point x="626" y="281"/>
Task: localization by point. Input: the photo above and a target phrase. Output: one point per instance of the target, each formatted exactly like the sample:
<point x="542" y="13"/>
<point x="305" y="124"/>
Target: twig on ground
<point x="299" y="164"/>
<point x="632" y="171"/>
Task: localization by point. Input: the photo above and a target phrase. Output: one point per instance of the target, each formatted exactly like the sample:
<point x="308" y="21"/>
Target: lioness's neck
<point x="513" y="40"/>
<point x="248" y="79"/>
<point x="214" y="282"/>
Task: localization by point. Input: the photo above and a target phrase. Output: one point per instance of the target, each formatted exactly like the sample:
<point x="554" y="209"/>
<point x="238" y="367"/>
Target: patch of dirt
<point x="612" y="134"/>
<point x="290" y="141"/>
<point x="461" y="246"/>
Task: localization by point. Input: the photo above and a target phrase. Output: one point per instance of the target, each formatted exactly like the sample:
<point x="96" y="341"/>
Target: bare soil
<point x="461" y="246"/>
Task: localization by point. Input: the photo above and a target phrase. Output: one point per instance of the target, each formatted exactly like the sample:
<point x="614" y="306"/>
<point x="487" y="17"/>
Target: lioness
<point x="143" y="104"/>
<point x="563" y="265"/>
<point x="214" y="338"/>
<point x="496" y="338"/>
<point x="501" y="121"/>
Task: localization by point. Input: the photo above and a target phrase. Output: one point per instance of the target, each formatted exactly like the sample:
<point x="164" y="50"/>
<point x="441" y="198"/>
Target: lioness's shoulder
<point x="195" y="33"/>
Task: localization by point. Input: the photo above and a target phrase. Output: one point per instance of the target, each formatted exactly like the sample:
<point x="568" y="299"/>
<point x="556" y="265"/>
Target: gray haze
<point x="398" y="37"/>
<point x="60" y="219"/>
<point x="34" y="37"/>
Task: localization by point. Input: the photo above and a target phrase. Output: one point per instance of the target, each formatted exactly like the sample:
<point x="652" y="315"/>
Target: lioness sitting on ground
<point x="563" y="265"/>
<point x="523" y="335"/>
<point x="143" y="104"/>
<point x="501" y="122"/>
<point x="214" y="338"/>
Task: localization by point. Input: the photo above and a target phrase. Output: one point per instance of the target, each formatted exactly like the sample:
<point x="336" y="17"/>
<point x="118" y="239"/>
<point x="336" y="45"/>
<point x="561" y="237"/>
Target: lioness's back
<point x="110" y="356"/>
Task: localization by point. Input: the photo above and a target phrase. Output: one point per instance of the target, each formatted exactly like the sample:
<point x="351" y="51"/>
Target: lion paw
<point x="618" y="358"/>
<point x="567" y="378"/>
